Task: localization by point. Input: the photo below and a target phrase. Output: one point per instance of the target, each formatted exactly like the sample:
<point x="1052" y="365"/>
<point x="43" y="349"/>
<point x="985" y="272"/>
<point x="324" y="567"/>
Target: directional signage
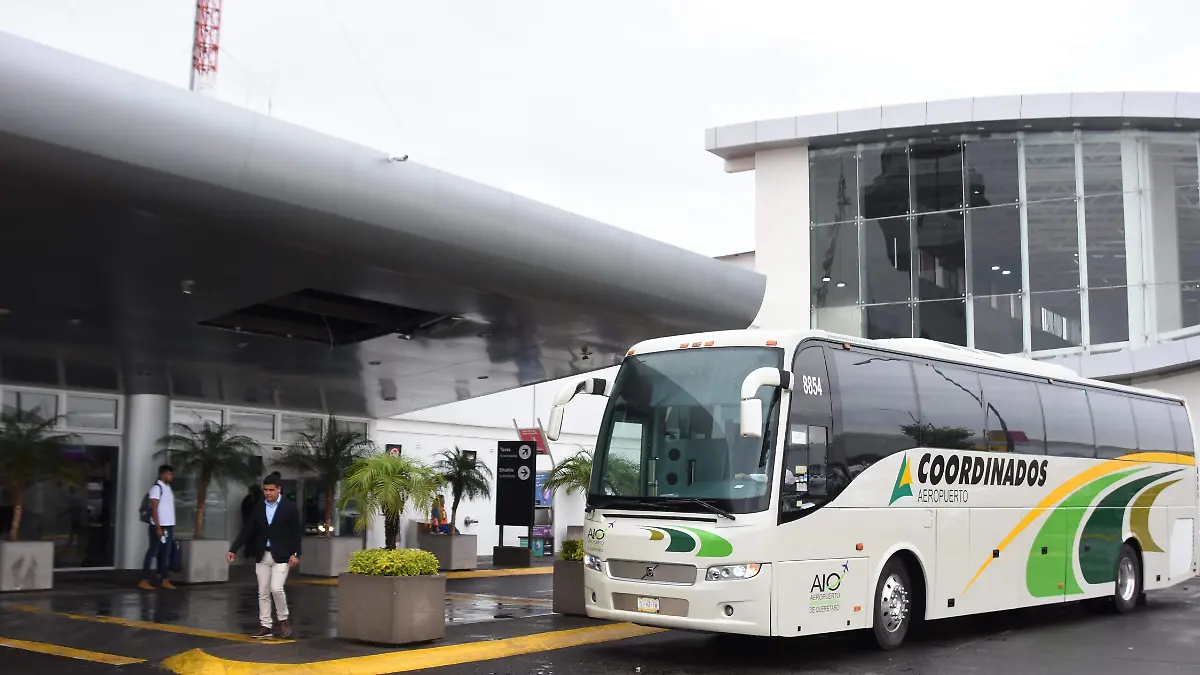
<point x="515" y="467"/>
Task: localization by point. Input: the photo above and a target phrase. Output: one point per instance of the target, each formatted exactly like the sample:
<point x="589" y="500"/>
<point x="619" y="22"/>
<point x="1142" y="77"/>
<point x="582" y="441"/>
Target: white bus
<point x="802" y="482"/>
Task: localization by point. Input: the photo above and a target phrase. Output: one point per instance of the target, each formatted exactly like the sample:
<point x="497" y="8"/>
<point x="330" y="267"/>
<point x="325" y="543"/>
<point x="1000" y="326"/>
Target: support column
<point x="781" y="237"/>
<point x="147" y="419"/>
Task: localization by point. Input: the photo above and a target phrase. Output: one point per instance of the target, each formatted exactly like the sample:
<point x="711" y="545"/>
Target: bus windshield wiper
<point x="608" y="502"/>
<point x="691" y="500"/>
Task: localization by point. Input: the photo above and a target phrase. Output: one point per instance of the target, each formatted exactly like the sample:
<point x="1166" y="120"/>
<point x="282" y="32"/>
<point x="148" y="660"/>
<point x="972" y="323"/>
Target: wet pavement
<point x="490" y="619"/>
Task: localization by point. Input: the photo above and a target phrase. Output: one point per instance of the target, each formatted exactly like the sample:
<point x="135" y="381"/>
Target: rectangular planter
<point x="391" y="610"/>
<point x="26" y="565"/>
<point x="511" y="556"/>
<point x="204" y="561"/>
<point x="454" y="552"/>
<point x="568" y="588"/>
<point x="327" y="556"/>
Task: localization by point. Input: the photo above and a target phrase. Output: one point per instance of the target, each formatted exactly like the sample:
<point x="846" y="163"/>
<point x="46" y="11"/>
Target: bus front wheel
<point x="892" y="605"/>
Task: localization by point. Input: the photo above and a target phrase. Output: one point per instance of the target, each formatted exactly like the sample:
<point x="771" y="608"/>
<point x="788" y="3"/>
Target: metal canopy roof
<point x="154" y="241"/>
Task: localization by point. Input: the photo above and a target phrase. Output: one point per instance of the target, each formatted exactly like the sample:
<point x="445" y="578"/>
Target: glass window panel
<point x="998" y="324"/>
<point x="1154" y="433"/>
<point x="1014" y="415"/>
<point x="360" y="427"/>
<point x="30" y="404"/>
<point x="937" y="175"/>
<point x="834" y="265"/>
<point x="195" y="416"/>
<point x="887" y="260"/>
<point x="1104" y="218"/>
<point x="951" y="407"/>
<point x="89" y="412"/>
<point x="944" y="321"/>
<point x="1108" y="315"/>
<point x="884" y="177"/>
<point x="941" y="256"/>
<point x="1049" y="170"/>
<point x="995" y="250"/>
<point x="1187" y="224"/>
<point x="291" y="426"/>
<point x="1112" y="418"/>
<point x="992" y="172"/>
<point x="1069" y="430"/>
<point x="1057" y="320"/>
<point x="878" y="403"/>
<point x="1183" y="430"/>
<point x="833" y="185"/>
<point x="888" y="321"/>
<point x="259" y="426"/>
<point x="1102" y="167"/>
<point x="1177" y="305"/>
<point x="845" y="320"/>
<point x="1053" y="246"/>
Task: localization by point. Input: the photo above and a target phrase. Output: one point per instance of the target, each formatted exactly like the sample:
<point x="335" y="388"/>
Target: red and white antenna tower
<point x="206" y="46"/>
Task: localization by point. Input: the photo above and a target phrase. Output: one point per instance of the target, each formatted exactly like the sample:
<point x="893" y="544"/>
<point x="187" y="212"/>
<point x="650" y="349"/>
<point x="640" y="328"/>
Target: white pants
<point x="271" y="576"/>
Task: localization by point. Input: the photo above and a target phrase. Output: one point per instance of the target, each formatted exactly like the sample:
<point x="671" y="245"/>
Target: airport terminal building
<point x="1063" y="227"/>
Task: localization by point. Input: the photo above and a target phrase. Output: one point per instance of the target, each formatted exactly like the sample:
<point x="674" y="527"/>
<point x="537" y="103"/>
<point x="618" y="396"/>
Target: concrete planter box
<point x="26" y="565"/>
<point x="391" y="610"/>
<point x="327" y="556"/>
<point x="204" y="561"/>
<point x="454" y="552"/>
<point x="568" y="588"/>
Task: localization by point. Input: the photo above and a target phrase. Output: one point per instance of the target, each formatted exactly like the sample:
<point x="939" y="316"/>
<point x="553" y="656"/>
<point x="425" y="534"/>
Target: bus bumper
<point x="740" y="606"/>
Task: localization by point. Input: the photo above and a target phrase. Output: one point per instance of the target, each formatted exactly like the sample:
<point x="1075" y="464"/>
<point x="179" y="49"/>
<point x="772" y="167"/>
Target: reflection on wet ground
<point x="234" y="609"/>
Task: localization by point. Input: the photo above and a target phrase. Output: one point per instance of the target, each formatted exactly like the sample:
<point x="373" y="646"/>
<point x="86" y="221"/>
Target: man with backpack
<point x="158" y="512"/>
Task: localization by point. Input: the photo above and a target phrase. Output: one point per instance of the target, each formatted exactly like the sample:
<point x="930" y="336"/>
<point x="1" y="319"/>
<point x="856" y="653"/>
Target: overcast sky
<point x="600" y="108"/>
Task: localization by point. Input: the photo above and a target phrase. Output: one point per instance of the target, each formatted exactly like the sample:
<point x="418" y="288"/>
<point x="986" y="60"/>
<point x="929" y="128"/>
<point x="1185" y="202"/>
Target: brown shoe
<point x="262" y="632"/>
<point x="285" y="628"/>
<point x="145" y="585"/>
<point x="168" y="585"/>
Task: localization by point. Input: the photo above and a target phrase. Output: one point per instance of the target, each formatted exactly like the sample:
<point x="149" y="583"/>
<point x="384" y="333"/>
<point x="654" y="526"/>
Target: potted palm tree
<point x="30" y="452"/>
<point x="325" y="454"/>
<point x="214" y="454"/>
<point x="398" y="596"/>
<point x="466" y="477"/>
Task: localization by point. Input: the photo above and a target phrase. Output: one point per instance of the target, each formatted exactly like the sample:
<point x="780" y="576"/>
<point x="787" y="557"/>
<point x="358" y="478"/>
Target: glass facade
<point x="1046" y="242"/>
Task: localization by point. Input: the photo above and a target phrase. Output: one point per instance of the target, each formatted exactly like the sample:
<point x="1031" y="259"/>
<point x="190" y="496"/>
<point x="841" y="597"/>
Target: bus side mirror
<point x="595" y="386"/>
<point x="751" y="408"/>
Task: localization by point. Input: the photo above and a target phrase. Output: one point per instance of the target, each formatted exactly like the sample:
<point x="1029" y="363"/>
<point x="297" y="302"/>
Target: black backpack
<point x="144" y="511"/>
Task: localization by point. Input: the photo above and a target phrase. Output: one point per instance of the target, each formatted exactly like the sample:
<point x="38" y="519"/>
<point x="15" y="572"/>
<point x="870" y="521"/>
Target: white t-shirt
<point x="166" y="504"/>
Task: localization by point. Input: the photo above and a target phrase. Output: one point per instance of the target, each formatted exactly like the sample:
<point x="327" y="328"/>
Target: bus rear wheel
<point x="1128" y="586"/>
<point x="892" y="605"/>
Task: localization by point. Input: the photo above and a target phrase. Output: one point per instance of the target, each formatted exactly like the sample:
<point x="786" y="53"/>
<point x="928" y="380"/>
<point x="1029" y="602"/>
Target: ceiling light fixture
<point x="995" y="267"/>
<point x="1006" y="272"/>
<point x="825" y="279"/>
<point x="481" y="377"/>
<point x="187" y="286"/>
<point x="841" y="284"/>
<point x="374" y="363"/>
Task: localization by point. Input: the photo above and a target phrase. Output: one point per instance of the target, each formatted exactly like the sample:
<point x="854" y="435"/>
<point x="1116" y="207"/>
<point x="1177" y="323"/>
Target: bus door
<point x="806" y="446"/>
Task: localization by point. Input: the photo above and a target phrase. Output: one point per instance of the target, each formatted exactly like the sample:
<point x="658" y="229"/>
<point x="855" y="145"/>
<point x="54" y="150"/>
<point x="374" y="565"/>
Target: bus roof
<point x="911" y="346"/>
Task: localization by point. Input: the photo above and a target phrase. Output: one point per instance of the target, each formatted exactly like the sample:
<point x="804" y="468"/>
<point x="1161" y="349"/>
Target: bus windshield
<point x="671" y="433"/>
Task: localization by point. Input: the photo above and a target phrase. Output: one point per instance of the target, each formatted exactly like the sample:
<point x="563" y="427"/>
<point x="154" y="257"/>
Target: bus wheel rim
<point x="893" y="604"/>
<point x="1126" y="579"/>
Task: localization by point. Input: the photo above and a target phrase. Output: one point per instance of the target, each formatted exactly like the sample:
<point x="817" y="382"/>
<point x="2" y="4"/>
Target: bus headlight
<point x="747" y="571"/>
<point x="591" y="562"/>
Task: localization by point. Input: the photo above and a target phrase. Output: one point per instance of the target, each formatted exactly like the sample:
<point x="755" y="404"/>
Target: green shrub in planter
<point x="404" y="562"/>
<point x="572" y="549"/>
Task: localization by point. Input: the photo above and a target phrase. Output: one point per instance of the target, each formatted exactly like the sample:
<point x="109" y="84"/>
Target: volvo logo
<point x="649" y="572"/>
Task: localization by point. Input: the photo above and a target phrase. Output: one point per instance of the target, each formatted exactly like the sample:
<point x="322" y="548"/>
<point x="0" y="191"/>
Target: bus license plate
<point x="648" y="605"/>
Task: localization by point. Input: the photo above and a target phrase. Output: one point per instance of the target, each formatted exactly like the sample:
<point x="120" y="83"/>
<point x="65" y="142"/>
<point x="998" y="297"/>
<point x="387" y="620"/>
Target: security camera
<point x="397" y="158"/>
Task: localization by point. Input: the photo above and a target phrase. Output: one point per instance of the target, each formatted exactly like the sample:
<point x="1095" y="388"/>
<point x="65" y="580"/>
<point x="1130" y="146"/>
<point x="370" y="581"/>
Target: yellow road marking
<point x="149" y="625"/>
<point x="59" y="650"/>
<point x="473" y="574"/>
<point x="197" y="662"/>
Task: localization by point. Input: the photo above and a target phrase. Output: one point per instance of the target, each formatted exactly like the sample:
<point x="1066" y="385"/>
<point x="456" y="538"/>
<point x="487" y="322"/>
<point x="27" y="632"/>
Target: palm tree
<point x="574" y="474"/>
<point x="389" y="485"/>
<point x="466" y="476"/>
<point x="326" y="454"/>
<point x="212" y="453"/>
<point x="30" y="452"/>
